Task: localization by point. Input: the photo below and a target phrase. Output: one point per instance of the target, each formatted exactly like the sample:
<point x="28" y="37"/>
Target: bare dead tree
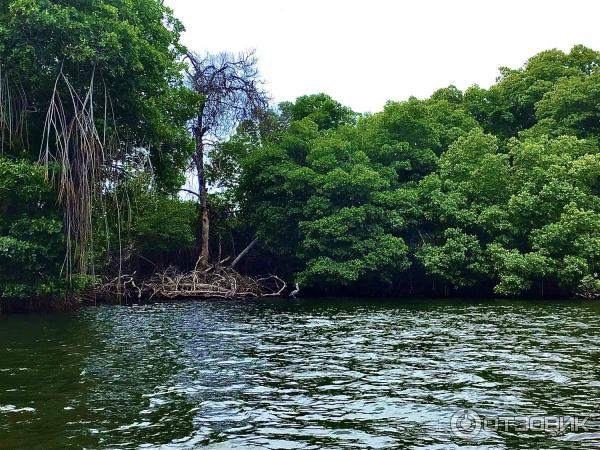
<point x="233" y="93"/>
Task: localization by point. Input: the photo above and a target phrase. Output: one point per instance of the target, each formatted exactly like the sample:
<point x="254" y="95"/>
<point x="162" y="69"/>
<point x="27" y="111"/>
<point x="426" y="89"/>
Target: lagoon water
<point x="301" y="374"/>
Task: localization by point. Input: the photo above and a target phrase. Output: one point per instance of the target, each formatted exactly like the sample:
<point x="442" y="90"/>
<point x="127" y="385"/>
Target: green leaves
<point x="133" y="50"/>
<point x="421" y="187"/>
<point x="320" y="197"/>
<point x="516" y="270"/>
<point x="321" y="109"/>
<point x="31" y="233"/>
<point x="490" y="190"/>
<point x="458" y="259"/>
<point x="535" y="208"/>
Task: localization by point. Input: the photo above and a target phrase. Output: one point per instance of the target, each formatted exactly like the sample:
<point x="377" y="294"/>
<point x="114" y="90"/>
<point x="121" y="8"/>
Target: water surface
<point x="297" y="374"/>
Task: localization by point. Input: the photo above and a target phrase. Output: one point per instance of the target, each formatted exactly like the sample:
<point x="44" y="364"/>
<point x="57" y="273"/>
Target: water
<point x="297" y="374"/>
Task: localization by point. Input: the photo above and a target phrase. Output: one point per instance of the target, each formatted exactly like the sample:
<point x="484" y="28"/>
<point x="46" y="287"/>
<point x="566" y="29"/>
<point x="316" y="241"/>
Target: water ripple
<point x="297" y="375"/>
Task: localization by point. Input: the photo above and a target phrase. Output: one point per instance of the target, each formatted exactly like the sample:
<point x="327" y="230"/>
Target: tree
<point x="420" y="191"/>
<point x="319" y="201"/>
<point x="31" y="233"/>
<point x="509" y="107"/>
<point x="572" y="107"/>
<point x="488" y="191"/>
<point x="232" y="94"/>
<point x="127" y="52"/>
<point x="158" y="225"/>
<point x="409" y="136"/>
<point x="518" y="219"/>
<point x="88" y="85"/>
<point x="320" y="108"/>
<point x="459" y="260"/>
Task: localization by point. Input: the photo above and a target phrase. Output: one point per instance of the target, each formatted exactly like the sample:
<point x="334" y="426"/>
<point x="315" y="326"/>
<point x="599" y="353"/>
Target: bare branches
<point x="232" y="89"/>
<point x="188" y="191"/>
<point x="205" y="282"/>
<point x="243" y="253"/>
<point x="232" y="93"/>
<point x="212" y="282"/>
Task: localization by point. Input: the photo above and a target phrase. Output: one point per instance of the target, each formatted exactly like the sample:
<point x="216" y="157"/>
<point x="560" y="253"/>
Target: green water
<point x="297" y="374"/>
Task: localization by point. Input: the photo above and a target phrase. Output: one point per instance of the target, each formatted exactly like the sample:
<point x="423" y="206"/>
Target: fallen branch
<point x="243" y="253"/>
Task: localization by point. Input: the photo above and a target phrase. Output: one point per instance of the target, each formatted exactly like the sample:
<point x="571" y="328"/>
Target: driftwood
<point x="204" y="282"/>
<point x="588" y="295"/>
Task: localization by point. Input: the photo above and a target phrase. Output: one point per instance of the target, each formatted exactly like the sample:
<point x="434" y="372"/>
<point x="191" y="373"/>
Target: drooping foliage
<point x="142" y="229"/>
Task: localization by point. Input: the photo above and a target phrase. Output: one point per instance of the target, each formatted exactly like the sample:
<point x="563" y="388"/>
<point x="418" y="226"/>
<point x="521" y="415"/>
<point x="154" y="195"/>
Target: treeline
<point x="490" y="191"/>
<point x="483" y="192"/>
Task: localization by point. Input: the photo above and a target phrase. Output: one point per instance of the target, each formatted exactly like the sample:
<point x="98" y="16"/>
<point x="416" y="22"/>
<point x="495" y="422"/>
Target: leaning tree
<point x="233" y="93"/>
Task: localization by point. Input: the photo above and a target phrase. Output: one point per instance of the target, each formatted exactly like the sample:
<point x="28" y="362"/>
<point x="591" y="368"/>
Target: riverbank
<point x="66" y="305"/>
<point x="204" y="282"/>
<point x="39" y="304"/>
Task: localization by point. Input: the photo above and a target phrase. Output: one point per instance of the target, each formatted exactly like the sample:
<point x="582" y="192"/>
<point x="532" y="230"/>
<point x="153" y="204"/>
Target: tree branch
<point x="190" y="192"/>
<point x="243" y="253"/>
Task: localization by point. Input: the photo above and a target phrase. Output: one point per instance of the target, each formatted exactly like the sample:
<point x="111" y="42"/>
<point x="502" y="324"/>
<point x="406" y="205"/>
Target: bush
<point x="32" y="242"/>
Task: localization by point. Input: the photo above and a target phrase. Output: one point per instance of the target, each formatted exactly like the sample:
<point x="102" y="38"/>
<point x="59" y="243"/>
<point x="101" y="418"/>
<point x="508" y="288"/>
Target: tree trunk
<point x="204" y="249"/>
<point x="241" y="255"/>
<point x="203" y="211"/>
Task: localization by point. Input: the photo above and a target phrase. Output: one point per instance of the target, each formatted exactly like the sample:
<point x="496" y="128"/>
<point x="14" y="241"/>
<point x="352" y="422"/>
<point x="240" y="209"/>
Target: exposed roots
<point x="13" y="107"/>
<point x="206" y="282"/>
<point x="84" y="155"/>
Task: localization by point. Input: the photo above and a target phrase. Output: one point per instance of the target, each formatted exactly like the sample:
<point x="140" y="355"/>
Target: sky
<point x="364" y="53"/>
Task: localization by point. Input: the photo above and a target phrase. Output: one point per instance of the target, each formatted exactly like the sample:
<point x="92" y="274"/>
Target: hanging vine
<point x="77" y="157"/>
<point x="13" y="108"/>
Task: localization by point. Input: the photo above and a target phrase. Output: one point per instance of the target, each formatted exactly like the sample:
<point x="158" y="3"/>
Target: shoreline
<point x="46" y="305"/>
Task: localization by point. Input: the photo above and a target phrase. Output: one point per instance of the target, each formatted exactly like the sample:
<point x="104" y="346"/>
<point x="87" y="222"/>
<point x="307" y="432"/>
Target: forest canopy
<point x="490" y="191"/>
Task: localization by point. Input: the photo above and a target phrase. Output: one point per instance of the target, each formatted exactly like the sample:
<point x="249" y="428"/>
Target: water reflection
<point x="302" y="374"/>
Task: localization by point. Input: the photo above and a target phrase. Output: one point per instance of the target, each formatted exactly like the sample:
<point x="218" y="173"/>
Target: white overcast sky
<point x="364" y="53"/>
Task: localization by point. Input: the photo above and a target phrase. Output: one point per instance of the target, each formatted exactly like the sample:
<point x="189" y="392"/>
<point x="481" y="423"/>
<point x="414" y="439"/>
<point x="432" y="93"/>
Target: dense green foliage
<point x="485" y="191"/>
<point x="145" y="227"/>
<point x="31" y="237"/>
<point x="132" y="51"/>
<point x="492" y="189"/>
<point x="130" y="55"/>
